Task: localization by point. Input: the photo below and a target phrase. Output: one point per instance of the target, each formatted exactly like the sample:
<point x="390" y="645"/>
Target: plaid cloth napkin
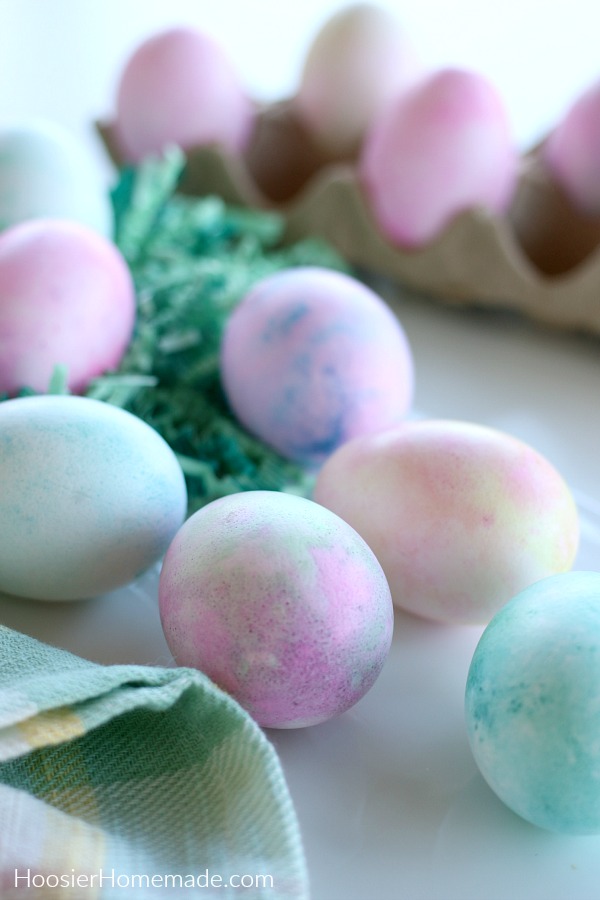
<point x="130" y="781"/>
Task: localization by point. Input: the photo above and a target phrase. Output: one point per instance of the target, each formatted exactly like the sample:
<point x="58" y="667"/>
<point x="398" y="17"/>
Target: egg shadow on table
<point x="480" y="835"/>
<point x="120" y="627"/>
<point x="378" y="781"/>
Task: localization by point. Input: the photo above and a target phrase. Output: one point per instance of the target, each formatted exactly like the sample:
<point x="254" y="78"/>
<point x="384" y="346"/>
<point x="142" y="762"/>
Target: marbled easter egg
<point x="359" y="60"/>
<point x="280" y="602"/>
<point x="66" y="298"/>
<point x="180" y="87"/>
<point x="533" y="703"/>
<point x="311" y="358"/>
<point x="461" y="516"/>
<point x="572" y="152"/>
<point x="91" y="497"/>
<point x="46" y="172"/>
<point x="443" y="147"/>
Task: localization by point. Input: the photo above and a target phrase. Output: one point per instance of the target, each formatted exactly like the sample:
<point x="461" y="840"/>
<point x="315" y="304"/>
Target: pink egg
<point x="572" y="152"/>
<point x="278" y="601"/>
<point x="441" y="148"/>
<point x="311" y="358"/>
<point x="66" y="298"/>
<point x="461" y="516"/>
<point x="360" y="59"/>
<point x="179" y="87"/>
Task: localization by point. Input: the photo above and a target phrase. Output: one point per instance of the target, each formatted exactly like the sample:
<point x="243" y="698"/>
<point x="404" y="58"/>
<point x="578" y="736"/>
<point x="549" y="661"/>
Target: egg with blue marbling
<point x="311" y="358"/>
<point x="533" y="703"/>
<point x="91" y="497"/>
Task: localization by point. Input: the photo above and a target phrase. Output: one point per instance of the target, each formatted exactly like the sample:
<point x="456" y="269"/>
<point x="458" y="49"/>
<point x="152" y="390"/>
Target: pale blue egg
<point x="46" y="172"/>
<point x="533" y="703"/>
<point x="91" y="497"/>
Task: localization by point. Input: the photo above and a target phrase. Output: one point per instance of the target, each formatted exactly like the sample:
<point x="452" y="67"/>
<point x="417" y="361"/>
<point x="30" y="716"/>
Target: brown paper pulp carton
<point x="541" y="259"/>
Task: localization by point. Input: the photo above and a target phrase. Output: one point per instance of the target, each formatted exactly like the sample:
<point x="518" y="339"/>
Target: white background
<point x="391" y="804"/>
<point x="61" y="58"/>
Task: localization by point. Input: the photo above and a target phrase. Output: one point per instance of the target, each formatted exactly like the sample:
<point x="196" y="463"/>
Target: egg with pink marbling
<point x="311" y="358"/>
<point x="571" y="152"/>
<point x="461" y="516"/>
<point x="66" y="299"/>
<point x="279" y="602"/>
<point x="180" y="87"/>
<point x="439" y="149"/>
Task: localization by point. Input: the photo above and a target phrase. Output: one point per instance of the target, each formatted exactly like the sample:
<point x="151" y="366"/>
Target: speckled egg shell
<point x="91" y="497"/>
<point x="279" y="602"/>
<point x="461" y="516"/>
<point x="311" y="358"/>
<point x="66" y="298"/>
<point x="533" y="703"/>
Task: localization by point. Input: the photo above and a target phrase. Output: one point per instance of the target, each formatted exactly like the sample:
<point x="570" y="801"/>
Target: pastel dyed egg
<point x="572" y="151"/>
<point x="45" y="172"/>
<point x="359" y="60"/>
<point x="66" y="298"/>
<point x="533" y="703"/>
<point x="439" y="149"/>
<point x="179" y="87"/>
<point x="280" y="602"/>
<point x="311" y="358"/>
<point x="461" y="516"/>
<point x="91" y="497"/>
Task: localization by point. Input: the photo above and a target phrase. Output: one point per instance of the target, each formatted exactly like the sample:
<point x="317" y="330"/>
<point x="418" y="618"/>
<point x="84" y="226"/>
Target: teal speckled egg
<point x="533" y="703"/>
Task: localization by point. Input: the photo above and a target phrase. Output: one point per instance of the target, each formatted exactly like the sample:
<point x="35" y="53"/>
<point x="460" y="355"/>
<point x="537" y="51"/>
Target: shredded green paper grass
<point x="192" y="260"/>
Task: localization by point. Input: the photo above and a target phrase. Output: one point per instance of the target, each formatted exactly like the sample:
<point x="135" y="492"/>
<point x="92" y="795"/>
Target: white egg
<point x="45" y="172"/>
<point x="91" y="497"/>
<point x="359" y="60"/>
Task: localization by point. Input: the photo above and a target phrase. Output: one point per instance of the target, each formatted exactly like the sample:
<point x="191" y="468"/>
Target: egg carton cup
<point x="541" y="259"/>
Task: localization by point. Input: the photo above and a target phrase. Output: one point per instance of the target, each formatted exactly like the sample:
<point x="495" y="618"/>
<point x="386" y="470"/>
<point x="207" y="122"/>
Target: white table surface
<point x="390" y="801"/>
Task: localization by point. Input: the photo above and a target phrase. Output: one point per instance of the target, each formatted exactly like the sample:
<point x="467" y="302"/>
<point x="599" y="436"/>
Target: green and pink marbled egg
<point x="461" y="517"/>
<point x="280" y="602"/>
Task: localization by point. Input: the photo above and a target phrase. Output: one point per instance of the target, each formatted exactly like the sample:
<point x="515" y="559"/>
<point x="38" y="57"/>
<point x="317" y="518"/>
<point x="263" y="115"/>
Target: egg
<point x="531" y="703"/>
<point x="45" y="172"/>
<point x="439" y="149"/>
<point x="179" y="87"/>
<point x="356" y="64"/>
<point x="311" y="358"/>
<point x="91" y="497"/>
<point x="571" y="152"/>
<point x="461" y="516"/>
<point x="66" y="298"/>
<point x="279" y="602"/>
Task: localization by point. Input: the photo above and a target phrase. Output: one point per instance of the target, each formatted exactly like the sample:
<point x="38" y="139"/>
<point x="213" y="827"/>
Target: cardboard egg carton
<point x="541" y="259"/>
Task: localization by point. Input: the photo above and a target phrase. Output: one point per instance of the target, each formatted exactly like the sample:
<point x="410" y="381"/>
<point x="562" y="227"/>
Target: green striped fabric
<point x="133" y="781"/>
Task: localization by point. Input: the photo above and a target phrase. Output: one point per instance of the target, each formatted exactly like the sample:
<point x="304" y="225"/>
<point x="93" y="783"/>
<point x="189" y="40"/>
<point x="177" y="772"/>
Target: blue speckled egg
<point x="312" y="358"/>
<point x="533" y="703"/>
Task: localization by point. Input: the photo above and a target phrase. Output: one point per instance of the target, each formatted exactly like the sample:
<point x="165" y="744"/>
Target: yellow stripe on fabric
<point x="63" y="777"/>
<point x="51" y="727"/>
<point x="81" y="849"/>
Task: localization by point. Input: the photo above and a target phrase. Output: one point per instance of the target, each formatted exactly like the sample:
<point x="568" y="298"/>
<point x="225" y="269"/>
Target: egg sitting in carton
<point x="409" y="173"/>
